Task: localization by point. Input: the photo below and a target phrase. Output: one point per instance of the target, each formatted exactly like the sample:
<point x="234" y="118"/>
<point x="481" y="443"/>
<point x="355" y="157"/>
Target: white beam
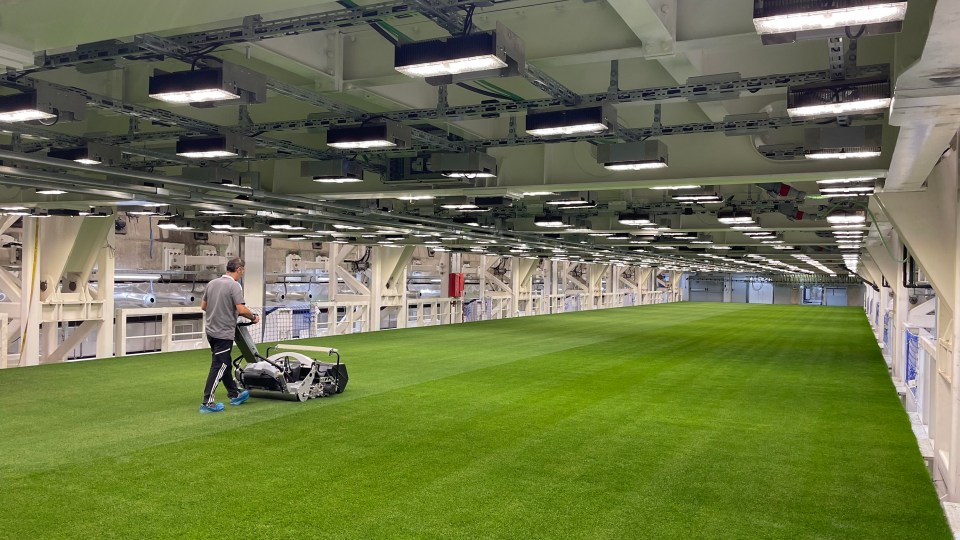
<point x="76" y="337"/>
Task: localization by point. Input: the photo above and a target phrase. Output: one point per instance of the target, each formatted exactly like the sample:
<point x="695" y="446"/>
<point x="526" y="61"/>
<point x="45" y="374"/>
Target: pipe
<point x="134" y="300"/>
<point x="180" y="299"/>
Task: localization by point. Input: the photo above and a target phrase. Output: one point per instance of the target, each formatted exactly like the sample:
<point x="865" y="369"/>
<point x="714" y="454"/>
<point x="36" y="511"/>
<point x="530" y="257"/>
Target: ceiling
<point x="345" y="75"/>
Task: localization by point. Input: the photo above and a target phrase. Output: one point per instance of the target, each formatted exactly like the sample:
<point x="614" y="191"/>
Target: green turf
<point x="670" y="421"/>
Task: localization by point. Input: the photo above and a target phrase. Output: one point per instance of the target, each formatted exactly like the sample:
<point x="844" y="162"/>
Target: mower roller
<point x="291" y="376"/>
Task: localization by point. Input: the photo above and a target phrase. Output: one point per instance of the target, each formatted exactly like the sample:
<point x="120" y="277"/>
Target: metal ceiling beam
<point x="660" y="94"/>
<point x="253" y="28"/>
<point x="551" y="86"/>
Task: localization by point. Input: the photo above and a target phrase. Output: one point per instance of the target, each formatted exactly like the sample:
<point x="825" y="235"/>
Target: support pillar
<point x="255" y="274"/>
<point x="30" y="293"/>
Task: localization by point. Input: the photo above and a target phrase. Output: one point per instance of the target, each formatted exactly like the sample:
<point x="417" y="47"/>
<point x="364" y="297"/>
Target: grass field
<point x="669" y="421"/>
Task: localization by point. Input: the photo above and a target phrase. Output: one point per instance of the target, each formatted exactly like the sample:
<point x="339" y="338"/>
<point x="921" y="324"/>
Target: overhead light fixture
<point x="735" y="217"/>
<point x="50" y="192"/>
<point x="286" y="225"/>
<point x="386" y="134"/>
<point x="537" y="193"/>
<point x="847" y="217"/>
<point x="44" y="102"/>
<point x="496" y="53"/>
<point x="463" y="165"/>
<point x="634" y="219"/>
<point x="853" y="180"/>
<point x="414" y="198"/>
<point x="573" y="202"/>
<point x="745" y="227"/>
<point x="698" y="197"/>
<point x="838" y="98"/>
<point x="552" y="222"/>
<point x="633" y="156"/>
<point x="785" y="21"/>
<point x="595" y="119"/>
<point x="176" y="225"/>
<point x="684" y="186"/>
<point x="844" y="153"/>
<point x="856" y="142"/>
<point x="228" y="225"/>
<point x="458" y="203"/>
<point x="91" y="154"/>
<point x="217" y="146"/>
<point x="226" y="83"/>
<point x="333" y="171"/>
<point x="847" y="190"/>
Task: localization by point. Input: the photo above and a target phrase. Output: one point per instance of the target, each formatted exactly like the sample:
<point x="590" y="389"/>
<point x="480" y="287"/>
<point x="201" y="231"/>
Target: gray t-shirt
<point x="222" y="296"/>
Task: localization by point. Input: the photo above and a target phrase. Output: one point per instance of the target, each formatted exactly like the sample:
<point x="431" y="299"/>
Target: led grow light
<point x="388" y="134"/>
<point x="596" y="119"/>
<point x="806" y="16"/>
<point x="227" y="82"/>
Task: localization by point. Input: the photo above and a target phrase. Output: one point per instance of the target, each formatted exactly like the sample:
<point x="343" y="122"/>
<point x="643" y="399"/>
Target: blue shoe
<point x="211" y="408"/>
<point x="240" y="398"/>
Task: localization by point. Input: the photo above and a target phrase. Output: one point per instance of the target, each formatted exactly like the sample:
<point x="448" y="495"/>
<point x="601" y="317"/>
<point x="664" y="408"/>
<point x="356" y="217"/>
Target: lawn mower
<point x="286" y="375"/>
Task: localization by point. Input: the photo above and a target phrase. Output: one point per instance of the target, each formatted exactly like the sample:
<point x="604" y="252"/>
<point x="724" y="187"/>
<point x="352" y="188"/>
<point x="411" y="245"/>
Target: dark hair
<point x="235" y="264"/>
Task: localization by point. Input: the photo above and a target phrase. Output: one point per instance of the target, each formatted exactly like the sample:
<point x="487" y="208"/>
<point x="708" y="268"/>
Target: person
<point x="223" y="302"/>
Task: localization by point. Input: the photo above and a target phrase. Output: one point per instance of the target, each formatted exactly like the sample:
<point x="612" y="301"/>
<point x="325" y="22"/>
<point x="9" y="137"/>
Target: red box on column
<point x="456" y="285"/>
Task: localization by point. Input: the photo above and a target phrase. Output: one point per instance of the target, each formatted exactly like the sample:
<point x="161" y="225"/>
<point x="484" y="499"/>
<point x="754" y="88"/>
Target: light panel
<point x="496" y="53"/>
<point x="388" y="134"/>
<point x="633" y="156"/>
<point x="597" y="119"/>
<point x="228" y="82"/>
<point x="840" y="17"/>
<point x="838" y="97"/>
<point x="843" y="154"/>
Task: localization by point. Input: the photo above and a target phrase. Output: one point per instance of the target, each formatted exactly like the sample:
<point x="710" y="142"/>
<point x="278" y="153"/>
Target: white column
<point x="30" y="293"/>
<point x="254" y="279"/>
<point x="106" y="265"/>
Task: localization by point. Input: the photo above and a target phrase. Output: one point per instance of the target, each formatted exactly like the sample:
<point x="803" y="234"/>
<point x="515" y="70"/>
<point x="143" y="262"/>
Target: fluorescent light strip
<point x="342" y="180"/>
<point x="635" y="166"/>
<point x="469" y="175"/>
<point x="853" y="180"/>
<point x="688" y="186"/>
<point x="843" y="155"/>
<point x="831" y="18"/>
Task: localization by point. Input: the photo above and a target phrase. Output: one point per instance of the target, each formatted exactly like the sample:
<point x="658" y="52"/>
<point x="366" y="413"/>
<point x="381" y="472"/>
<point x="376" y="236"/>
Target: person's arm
<point x="203" y="305"/>
<point x="241" y="304"/>
<point x="245" y="312"/>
